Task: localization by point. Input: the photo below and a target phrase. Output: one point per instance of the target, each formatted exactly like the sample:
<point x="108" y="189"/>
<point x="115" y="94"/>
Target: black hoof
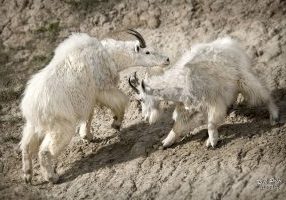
<point x="115" y="126"/>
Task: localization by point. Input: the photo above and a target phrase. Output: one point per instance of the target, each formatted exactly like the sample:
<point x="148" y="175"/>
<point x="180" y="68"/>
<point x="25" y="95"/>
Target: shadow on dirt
<point x="137" y="140"/>
<point x="261" y="112"/>
<point x="134" y="141"/>
<point x="91" y="5"/>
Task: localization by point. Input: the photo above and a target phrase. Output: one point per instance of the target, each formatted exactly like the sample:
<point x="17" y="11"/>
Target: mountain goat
<point x="204" y="83"/>
<point x="83" y="72"/>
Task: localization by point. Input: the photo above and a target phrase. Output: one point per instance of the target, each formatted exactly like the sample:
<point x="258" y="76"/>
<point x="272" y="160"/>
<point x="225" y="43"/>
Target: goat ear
<point x="133" y="86"/>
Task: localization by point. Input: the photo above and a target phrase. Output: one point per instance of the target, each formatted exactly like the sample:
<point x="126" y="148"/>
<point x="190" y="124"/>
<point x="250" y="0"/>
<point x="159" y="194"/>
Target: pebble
<point x="272" y="49"/>
<point x="153" y="22"/>
<point x="1" y="167"/>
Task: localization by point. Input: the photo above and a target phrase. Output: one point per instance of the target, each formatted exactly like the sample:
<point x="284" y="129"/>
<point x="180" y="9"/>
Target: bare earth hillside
<point x="249" y="162"/>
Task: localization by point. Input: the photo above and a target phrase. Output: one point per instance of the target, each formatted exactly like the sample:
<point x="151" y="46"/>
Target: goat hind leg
<point x="274" y="112"/>
<point x="52" y="146"/>
<point x="117" y="102"/>
<point x="215" y="117"/>
<point x="179" y="116"/>
<point x="45" y="159"/>
<point x="29" y="145"/>
<point x="85" y="129"/>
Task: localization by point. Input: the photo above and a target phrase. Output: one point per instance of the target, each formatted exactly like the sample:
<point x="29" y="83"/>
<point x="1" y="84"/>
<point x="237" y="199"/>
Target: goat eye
<point x="137" y="48"/>
<point x="147" y="52"/>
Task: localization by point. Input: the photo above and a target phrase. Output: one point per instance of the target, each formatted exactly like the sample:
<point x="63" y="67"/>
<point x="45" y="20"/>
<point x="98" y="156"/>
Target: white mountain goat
<point x="83" y="72"/>
<point x="204" y="83"/>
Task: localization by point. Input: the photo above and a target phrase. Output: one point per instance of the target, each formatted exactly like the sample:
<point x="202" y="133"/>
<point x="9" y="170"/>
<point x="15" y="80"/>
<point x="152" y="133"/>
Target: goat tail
<point x="252" y="89"/>
<point x="255" y="93"/>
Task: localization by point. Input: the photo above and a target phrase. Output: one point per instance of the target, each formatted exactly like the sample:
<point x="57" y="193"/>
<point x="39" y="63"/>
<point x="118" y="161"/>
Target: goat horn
<point x="138" y="36"/>
<point x="136" y="78"/>
<point x="132" y="86"/>
<point x="143" y="85"/>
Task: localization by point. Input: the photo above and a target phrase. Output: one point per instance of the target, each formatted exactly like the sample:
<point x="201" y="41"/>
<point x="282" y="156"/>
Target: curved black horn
<point x="138" y="36"/>
<point x="143" y="85"/>
<point x="132" y="86"/>
<point x="135" y="78"/>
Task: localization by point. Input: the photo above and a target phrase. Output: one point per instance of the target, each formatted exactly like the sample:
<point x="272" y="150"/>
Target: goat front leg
<point x="171" y="138"/>
<point x="213" y="135"/>
<point x="117" y="102"/>
<point x="52" y="145"/>
<point x="118" y="106"/>
<point x="85" y="129"/>
<point x="179" y="116"/>
<point x="216" y="115"/>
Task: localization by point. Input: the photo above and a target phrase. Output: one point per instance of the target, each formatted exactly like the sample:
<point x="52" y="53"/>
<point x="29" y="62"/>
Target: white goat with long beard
<point x="82" y="73"/>
<point x="203" y="84"/>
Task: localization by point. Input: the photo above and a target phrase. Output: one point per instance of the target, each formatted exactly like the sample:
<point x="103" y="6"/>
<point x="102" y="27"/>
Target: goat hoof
<point x="87" y="138"/>
<point x="208" y="143"/>
<point x="168" y="142"/>
<point x="274" y="120"/>
<point x="170" y="139"/>
<point x="115" y="126"/>
<point x="54" y="178"/>
<point x="211" y="143"/>
<point x="28" y="178"/>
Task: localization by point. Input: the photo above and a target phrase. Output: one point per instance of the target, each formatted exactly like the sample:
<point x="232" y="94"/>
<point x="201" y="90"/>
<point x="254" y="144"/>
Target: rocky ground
<point x="131" y="164"/>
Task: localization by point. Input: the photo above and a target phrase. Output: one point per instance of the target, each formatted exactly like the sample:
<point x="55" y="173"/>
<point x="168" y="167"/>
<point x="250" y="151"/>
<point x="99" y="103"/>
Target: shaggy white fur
<point x="82" y="73"/>
<point x="204" y="82"/>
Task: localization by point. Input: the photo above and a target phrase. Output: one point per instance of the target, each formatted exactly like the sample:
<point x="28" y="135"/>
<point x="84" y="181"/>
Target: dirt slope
<point x="131" y="164"/>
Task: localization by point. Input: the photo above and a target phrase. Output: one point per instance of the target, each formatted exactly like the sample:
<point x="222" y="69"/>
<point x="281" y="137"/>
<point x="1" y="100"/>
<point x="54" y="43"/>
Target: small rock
<point x="18" y="88"/>
<point x="102" y="19"/>
<point x="217" y="6"/>
<point x="153" y="22"/>
<point x="121" y="6"/>
<point x="252" y="52"/>
<point x="275" y="131"/>
<point x="113" y="13"/>
<point x="176" y="2"/>
<point x="131" y="19"/>
<point x="1" y="167"/>
<point x="271" y="50"/>
<point x="5" y="109"/>
<point x="259" y="27"/>
<point x="273" y="31"/>
<point x="155" y="11"/>
<point x="138" y="149"/>
<point x="143" y="5"/>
